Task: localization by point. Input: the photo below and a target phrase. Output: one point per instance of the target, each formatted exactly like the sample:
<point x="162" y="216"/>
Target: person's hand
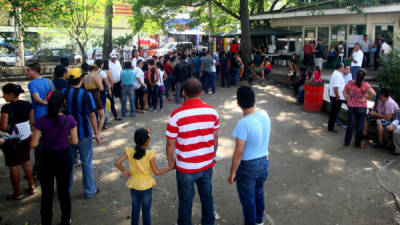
<point x="97" y="138"/>
<point x="172" y="166"/>
<point x="126" y="173"/>
<point x="171" y="163"/>
<point x="372" y="113"/>
<point x="1" y="141"/>
<point x="232" y="178"/>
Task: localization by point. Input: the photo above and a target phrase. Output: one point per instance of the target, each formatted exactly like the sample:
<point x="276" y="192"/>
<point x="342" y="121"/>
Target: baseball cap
<point x="74" y="73"/>
<point x="113" y="55"/>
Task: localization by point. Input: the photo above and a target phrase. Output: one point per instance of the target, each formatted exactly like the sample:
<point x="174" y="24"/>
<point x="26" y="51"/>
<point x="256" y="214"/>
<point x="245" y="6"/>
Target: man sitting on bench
<point x="387" y="110"/>
<point x="395" y="128"/>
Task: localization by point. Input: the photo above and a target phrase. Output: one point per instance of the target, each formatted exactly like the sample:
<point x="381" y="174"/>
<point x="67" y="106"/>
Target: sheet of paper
<point x="24" y="129"/>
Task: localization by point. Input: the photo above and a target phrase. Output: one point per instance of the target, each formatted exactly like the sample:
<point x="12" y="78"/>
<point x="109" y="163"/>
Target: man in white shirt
<point x="346" y="74"/>
<point x="136" y="57"/>
<point x="271" y="48"/>
<point x="365" y="47"/>
<point x="356" y="59"/>
<point x="336" y="86"/>
<point x="115" y="69"/>
<point x="386" y="49"/>
<point x="341" y="51"/>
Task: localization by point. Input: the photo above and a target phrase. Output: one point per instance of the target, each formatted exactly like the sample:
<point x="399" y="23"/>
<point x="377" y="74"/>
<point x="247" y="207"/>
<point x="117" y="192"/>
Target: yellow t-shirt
<point x="141" y="173"/>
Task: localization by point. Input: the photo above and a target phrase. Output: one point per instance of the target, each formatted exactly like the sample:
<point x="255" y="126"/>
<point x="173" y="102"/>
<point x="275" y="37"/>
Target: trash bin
<point x="313" y="98"/>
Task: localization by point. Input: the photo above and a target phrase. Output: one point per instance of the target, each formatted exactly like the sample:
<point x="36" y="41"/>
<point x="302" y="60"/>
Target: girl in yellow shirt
<point x="142" y="165"/>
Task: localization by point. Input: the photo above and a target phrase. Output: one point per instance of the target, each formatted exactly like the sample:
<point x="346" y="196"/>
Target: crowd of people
<point x="67" y="115"/>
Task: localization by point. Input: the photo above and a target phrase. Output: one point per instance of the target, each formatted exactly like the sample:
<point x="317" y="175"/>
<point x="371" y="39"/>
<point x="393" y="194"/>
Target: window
<point x="386" y="31"/>
<point x="339" y="33"/>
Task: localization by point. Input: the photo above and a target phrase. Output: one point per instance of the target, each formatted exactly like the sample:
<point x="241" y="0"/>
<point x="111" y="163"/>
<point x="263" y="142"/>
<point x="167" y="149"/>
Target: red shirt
<point x="193" y="126"/>
<point x="168" y="68"/>
<point x="235" y="47"/>
<point x="308" y="49"/>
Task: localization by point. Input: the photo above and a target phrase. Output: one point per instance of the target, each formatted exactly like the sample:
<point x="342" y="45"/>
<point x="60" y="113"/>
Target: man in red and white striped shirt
<point x="192" y="131"/>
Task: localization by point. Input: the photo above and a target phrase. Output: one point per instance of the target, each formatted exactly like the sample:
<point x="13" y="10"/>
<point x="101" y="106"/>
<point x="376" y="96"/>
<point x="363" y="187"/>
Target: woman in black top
<point x="17" y="117"/>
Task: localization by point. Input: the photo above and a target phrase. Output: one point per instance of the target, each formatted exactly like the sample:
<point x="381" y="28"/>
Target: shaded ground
<point x="312" y="179"/>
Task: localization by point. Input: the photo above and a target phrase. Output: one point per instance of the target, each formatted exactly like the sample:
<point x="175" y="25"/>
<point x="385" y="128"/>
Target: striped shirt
<point x="193" y="126"/>
<point x="80" y="104"/>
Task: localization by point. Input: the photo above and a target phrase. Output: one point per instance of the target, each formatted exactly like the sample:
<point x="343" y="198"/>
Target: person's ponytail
<point x="55" y="103"/>
<point x="141" y="137"/>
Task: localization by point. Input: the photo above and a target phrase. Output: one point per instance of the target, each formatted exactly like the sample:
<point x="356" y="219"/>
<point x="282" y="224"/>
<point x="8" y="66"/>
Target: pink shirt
<point x="388" y="107"/>
<point x="317" y="75"/>
<point x="357" y="96"/>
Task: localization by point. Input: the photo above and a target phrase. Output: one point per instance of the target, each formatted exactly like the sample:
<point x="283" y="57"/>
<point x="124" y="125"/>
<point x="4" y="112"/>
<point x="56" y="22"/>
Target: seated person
<point x="292" y="72"/>
<point x="300" y="81"/>
<point x="266" y="66"/>
<point x="317" y="74"/>
<point x="253" y="73"/>
<point x="395" y="128"/>
<point x="306" y="77"/>
<point x="387" y="110"/>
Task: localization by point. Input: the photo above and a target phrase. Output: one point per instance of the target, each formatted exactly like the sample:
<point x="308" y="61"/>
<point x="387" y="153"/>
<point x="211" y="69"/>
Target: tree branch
<point x="219" y="5"/>
<point x="273" y="5"/>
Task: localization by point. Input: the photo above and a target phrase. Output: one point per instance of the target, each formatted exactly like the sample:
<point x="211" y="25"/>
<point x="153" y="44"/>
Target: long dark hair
<point x="360" y="77"/>
<point x="14" y="89"/>
<point x="141" y="137"/>
<point x="56" y="101"/>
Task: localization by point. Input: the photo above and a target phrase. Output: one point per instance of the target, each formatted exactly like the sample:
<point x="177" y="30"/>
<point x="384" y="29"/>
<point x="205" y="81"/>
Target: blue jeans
<point x="186" y="193"/>
<point x="356" y="120"/>
<point x="128" y="91"/>
<point x="211" y="79"/>
<point x="235" y="75"/>
<point x="250" y="178"/>
<point x="197" y="75"/>
<point x="354" y="71"/>
<point x="157" y="97"/>
<point x="141" y="199"/>
<point x="300" y="99"/>
<point x="85" y="146"/>
<point x="166" y="84"/>
<point x="204" y="80"/>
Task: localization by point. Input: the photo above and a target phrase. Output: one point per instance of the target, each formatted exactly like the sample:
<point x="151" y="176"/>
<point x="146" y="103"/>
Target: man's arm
<point x="93" y="123"/>
<point x="170" y="151"/>
<point x="215" y="144"/>
<point x="38" y="100"/>
<point x="237" y="157"/>
<point x="336" y="91"/>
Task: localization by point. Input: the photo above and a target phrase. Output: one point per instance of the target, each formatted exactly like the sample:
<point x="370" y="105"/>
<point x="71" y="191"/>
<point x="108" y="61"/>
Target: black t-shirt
<point x="224" y="63"/>
<point x="20" y="110"/>
<point x="182" y="71"/>
<point x="234" y="63"/>
<point x="320" y="53"/>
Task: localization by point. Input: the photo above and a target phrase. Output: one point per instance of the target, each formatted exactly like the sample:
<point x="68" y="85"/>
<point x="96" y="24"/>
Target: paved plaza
<point x="312" y="179"/>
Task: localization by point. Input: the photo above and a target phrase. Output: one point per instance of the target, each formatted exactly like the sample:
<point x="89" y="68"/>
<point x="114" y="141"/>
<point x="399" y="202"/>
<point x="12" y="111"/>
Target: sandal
<point x="30" y="191"/>
<point x="14" y="196"/>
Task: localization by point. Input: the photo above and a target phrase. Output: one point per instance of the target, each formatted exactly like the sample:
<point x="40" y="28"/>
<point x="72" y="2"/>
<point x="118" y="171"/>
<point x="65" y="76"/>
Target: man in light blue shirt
<point x="128" y="89"/>
<point x="250" y="160"/>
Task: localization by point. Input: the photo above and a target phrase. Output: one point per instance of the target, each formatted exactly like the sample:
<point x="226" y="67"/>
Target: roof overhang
<point x="327" y="12"/>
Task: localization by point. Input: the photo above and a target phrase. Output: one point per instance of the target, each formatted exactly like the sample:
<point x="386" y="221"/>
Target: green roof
<point x="263" y="31"/>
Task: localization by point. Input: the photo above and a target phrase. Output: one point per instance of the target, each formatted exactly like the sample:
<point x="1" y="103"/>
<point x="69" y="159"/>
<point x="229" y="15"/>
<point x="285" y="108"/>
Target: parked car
<point x="53" y="56"/>
<point x="173" y="47"/>
<point x="8" y="59"/>
<point x="28" y="55"/>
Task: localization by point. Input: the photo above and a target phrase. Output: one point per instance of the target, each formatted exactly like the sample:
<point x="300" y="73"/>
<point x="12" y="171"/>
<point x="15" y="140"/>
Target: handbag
<point x="162" y="88"/>
<point x="50" y="92"/>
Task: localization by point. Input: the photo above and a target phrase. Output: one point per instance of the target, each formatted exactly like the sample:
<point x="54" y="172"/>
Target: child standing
<point x="142" y="164"/>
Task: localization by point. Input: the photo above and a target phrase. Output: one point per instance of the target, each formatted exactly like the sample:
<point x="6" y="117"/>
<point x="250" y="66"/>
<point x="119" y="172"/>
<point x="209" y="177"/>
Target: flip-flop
<point x="30" y="191"/>
<point x="14" y="196"/>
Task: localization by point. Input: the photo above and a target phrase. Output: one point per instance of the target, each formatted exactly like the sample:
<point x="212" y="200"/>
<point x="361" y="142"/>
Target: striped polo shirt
<point x="80" y="104"/>
<point x="193" y="126"/>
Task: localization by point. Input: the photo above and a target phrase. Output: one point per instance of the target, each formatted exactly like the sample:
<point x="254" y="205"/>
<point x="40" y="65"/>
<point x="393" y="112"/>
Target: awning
<point x="268" y="31"/>
<point x="229" y="34"/>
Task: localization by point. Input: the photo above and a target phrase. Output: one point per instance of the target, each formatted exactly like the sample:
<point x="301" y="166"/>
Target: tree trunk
<point x="210" y="27"/>
<point x="245" y="42"/>
<point x="20" y="36"/>
<point x="82" y="49"/>
<point x="107" y="43"/>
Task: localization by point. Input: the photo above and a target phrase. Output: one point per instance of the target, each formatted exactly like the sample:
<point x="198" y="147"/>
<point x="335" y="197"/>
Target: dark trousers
<point x="178" y="91"/>
<point x="335" y="109"/>
<point x="112" y="101"/>
<point x="356" y="120"/>
<point x="308" y="60"/>
<point x="376" y="60"/>
<point x="204" y="80"/>
<point x="365" y="63"/>
<point x="225" y="79"/>
<point x="55" y="164"/>
<point x="139" y="93"/>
